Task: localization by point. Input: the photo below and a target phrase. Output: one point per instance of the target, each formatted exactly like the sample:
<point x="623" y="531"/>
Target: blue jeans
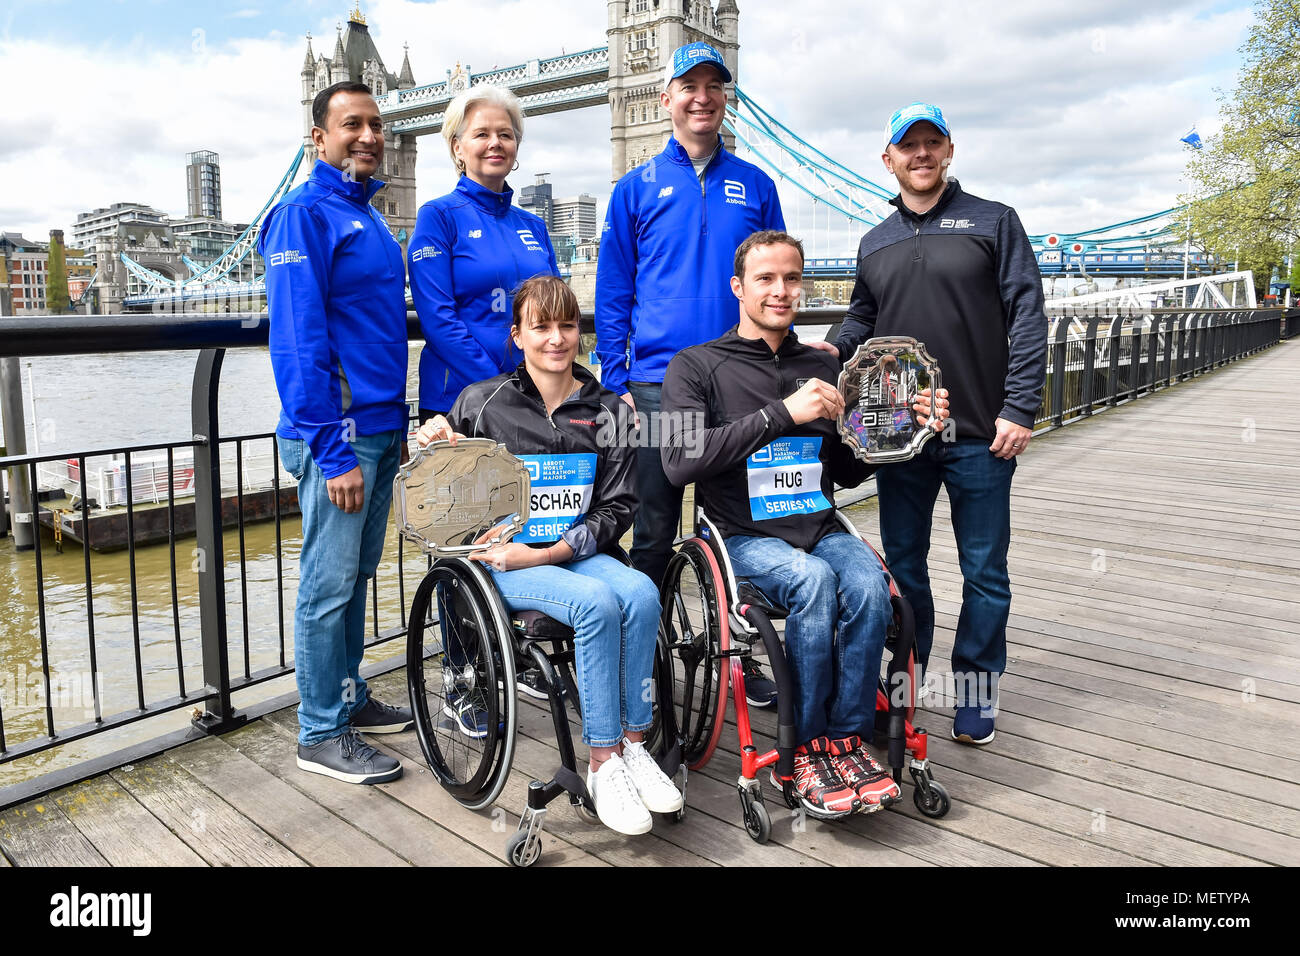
<point x="614" y="613"/>
<point x="339" y="555"/>
<point x="659" y="508"/>
<point x="979" y="492"/>
<point x="836" y="668"/>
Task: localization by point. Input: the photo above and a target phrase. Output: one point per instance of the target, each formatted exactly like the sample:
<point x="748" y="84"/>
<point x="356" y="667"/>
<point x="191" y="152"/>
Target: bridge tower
<point x="642" y="35"/>
<point x="356" y="58"/>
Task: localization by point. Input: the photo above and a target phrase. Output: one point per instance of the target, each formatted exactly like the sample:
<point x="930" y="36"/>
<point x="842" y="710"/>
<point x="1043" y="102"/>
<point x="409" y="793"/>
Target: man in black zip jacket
<point x="957" y="273"/>
<point x="750" y="418"/>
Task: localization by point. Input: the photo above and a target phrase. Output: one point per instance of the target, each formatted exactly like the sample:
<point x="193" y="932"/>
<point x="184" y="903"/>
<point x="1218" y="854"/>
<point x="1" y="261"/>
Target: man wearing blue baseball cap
<point x="957" y="273"/>
<point x="663" y="279"/>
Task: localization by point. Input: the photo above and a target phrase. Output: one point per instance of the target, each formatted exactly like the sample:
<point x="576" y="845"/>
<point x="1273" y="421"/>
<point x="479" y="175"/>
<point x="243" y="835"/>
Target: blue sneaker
<point x="970" y="726"/>
<point x="469" y="714"/>
<point x="760" y="690"/>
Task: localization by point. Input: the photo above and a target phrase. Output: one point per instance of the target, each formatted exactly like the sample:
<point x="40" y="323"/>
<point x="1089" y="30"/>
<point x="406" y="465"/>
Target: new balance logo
<point x="955" y="224"/>
<point x="476" y="233"/>
<point x="286" y="258"/>
<point x="734" y="191"/>
<point x="356" y="224"/>
<point x="425" y="252"/>
<point x="665" y="192"/>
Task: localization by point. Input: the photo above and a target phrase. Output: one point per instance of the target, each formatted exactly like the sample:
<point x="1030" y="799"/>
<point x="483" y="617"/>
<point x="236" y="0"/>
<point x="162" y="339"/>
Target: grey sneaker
<point x="348" y="758"/>
<point x="376" y="717"/>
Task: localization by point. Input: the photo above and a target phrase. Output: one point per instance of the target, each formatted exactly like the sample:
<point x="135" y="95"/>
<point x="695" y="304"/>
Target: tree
<point x="56" y="277"/>
<point x="1244" y="204"/>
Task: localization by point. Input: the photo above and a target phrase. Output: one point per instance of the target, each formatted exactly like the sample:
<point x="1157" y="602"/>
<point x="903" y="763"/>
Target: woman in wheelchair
<point x="573" y="436"/>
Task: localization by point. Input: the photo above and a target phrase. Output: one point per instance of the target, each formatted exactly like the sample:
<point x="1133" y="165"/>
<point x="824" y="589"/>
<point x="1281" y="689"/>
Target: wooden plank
<point x="1277" y="716"/>
<point x="124" y="832"/>
<point x="209" y="825"/>
<point x="1247" y="722"/>
<point x="1231" y="835"/>
<point x="390" y="822"/>
<point x="1099" y="760"/>
<point x="1112" y="717"/>
<point x="310" y="831"/>
<point x="37" y="833"/>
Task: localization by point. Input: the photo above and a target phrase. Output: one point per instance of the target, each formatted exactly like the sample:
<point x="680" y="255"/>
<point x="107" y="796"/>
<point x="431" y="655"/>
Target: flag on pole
<point x="1192" y="139"/>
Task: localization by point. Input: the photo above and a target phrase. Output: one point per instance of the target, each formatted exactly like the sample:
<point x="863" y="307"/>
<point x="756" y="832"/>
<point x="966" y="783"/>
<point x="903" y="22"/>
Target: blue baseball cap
<point x="901" y="121"/>
<point x="688" y="57"/>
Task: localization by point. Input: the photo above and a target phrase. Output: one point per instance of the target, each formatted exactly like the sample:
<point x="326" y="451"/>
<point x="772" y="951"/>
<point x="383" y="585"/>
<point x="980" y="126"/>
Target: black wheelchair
<point x="463" y="652"/>
<point x="713" y="620"/>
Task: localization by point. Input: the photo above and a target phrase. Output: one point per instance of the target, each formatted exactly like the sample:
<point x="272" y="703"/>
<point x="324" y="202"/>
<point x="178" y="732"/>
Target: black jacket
<point x="508" y="409"/>
<point x="722" y="402"/>
<point x="962" y="279"/>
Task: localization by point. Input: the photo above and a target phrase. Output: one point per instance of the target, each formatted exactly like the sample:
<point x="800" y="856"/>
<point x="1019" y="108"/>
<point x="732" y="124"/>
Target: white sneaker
<point x="617" y="803"/>
<point x="657" y="791"/>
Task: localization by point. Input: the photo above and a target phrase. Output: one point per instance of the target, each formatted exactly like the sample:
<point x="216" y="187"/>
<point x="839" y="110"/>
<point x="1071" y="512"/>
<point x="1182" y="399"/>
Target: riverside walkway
<point x="1150" y="714"/>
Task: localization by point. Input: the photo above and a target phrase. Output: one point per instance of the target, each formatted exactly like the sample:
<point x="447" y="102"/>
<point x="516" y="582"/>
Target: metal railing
<point x="1095" y="360"/>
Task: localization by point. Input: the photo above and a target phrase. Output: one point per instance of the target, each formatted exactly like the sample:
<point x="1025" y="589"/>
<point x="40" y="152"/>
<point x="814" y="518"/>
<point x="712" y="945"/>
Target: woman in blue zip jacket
<point x="572" y="434"/>
<point x="471" y="248"/>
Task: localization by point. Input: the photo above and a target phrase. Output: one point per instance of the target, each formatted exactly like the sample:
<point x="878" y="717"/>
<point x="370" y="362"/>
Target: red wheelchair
<point x="712" y="621"/>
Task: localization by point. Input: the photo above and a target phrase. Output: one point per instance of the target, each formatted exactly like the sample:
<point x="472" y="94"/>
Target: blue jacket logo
<point x="734" y="191"/>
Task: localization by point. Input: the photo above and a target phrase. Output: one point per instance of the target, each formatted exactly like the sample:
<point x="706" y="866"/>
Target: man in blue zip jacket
<point x="663" y="280"/>
<point x="956" y="272"/>
<point x="334" y="286"/>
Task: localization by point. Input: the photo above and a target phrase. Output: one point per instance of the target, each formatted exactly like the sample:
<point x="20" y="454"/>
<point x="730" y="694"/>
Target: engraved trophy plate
<point x="445" y="498"/>
<point x="879" y="384"/>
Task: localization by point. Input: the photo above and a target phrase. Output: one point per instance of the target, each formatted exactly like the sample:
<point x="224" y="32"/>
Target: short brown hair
<point x="765" y="237"/>
<point x="551" y="298"/>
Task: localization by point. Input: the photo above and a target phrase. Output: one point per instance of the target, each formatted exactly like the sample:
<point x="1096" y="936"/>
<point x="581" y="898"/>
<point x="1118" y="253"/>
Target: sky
<point x="1071" y="113"/>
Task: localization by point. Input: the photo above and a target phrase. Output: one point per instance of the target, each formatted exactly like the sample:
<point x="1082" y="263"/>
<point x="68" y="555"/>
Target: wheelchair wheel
<point x="695" y="623"/>
<point x="461" y="679"/>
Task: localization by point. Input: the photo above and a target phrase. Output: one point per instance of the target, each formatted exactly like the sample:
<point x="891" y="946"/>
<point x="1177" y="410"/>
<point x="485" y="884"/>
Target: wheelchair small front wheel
<point x="758" y="822"/>
<point x="933" y="802"/>
<point x="519" y="852"/>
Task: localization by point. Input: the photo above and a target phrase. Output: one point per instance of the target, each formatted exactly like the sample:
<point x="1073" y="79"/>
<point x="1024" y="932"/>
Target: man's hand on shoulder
<point x="347" y="491"/>
<point x="815" y="399"/>
<point x="1011" y="439"/>
<point x="829" y="347"/>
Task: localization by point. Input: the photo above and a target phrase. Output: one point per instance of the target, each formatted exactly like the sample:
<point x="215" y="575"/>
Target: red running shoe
<point x="818" y="785"/>
<point x="858" y="769"/>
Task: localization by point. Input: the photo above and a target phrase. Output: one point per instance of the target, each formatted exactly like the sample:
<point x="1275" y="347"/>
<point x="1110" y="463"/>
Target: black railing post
<point x="210" y="561"/>
<point x="1089" y="364"/>
<point x="1171" y="334"/>
<point x="1112" y="383"/>
<point x="1057" y="370"/>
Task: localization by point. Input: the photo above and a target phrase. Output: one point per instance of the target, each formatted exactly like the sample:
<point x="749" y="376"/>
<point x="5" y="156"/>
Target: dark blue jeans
<point x="979" y="492"/>
<point x="659" y="508"/>
<point x="838" y="601"/>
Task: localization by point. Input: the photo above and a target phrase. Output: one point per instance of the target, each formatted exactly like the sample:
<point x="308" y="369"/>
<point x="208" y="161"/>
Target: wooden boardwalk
<point x="1150" y="714"/>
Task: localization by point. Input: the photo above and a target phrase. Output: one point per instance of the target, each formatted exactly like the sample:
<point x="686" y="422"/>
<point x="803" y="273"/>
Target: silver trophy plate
<point x="445" y="498"/>
<point x="879" y="385"/>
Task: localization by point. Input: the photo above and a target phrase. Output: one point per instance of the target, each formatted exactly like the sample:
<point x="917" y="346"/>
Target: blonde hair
<point x="457" y="113"/>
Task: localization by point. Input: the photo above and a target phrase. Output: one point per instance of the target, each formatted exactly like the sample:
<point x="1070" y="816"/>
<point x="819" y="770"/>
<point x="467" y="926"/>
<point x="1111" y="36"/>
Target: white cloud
<point x="1072" y="114"/>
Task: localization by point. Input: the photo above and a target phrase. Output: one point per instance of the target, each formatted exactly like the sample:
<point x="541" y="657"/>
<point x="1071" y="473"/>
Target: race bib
<point x="560" y="492"/>
<point x="785" y="478"/>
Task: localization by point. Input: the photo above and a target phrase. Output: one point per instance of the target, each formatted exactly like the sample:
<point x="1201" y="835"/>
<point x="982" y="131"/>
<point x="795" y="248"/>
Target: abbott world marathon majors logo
<point x="529" y="240"/>
<point x="735" y="192"/>
<point x="288" y="257"/>
<point x="76" y="909"/>
<point x="425" y="252"/>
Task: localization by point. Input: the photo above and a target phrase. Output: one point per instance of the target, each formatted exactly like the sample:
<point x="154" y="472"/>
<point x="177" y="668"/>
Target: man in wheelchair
<point x="750" y="418"/>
